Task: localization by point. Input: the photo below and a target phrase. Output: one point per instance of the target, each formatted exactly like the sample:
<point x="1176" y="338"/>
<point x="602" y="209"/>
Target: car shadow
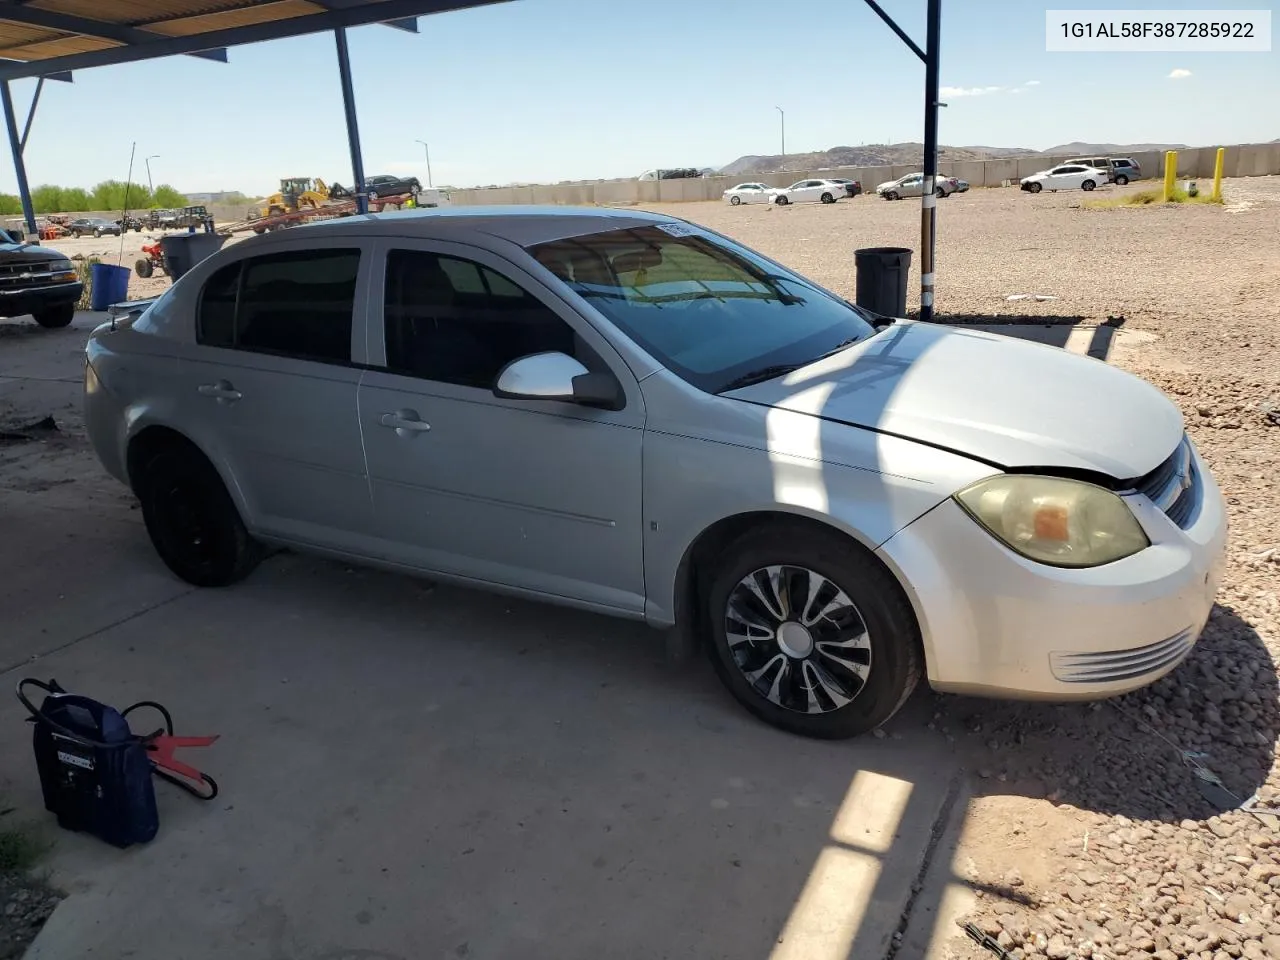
<point x="1085" y="334"/>
<point x="1198" y="742"/>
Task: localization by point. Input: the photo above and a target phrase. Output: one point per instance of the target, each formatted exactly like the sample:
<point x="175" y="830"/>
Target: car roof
<point x="523" y="225"/>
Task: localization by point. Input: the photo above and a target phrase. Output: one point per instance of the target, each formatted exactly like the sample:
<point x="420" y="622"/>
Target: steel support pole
<point x="19" y="168"/>
<point x="929" y="202"/>
<point x="31" y="114"/>
<point x="353" y="126"/>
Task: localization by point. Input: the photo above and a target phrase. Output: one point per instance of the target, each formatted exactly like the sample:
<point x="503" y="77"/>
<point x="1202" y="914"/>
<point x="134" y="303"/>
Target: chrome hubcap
<point x="798" y="639"/>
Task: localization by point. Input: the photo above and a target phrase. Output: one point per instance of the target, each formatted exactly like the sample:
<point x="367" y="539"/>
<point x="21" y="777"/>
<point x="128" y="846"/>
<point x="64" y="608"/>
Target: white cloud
<point x="968" y="91"/>
<point x="1016" y="90"/>
<point x="1032" y="83"/>
<point x="1179" y="74"/>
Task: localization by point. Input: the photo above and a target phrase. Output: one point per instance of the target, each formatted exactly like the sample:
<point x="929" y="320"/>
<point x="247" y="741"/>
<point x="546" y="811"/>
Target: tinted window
<point x="1121" y="163"/>
<point x="709" y="310"/>
<point x="296" y="304"/>
<point x="457" y="321"/>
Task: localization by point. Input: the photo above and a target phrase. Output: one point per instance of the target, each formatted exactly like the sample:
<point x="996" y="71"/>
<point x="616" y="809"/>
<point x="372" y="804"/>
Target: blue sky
<point x="546" y="90"/>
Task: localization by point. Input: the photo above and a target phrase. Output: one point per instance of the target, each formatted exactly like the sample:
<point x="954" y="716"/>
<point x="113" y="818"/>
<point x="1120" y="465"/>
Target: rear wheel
<point x="1121" y="179"/>
<point x="939" y="192"/>
<point x="810" y="633"/>
<point x="1087" y="185"/>
<point x="55" y="317"/>
<point x="735" y="201"/>
<point x="192" y="520"/>
<point x="827" y="198"/>
<point x="1035" y="187"/>
<point x="143" y="268"/>
<point x="96" y="233"/>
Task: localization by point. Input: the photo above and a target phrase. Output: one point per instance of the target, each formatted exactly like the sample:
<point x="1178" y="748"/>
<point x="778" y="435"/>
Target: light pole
<point x="427" y="151"/>
<point x="782" y="118"/>
<point x="154" y="156"/>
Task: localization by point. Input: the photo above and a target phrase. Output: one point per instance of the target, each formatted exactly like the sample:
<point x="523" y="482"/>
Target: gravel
<point x="1133" y="852"/>
<point x="25" y="905"/>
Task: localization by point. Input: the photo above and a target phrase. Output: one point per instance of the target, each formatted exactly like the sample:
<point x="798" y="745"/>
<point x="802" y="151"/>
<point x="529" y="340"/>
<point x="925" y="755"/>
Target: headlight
<point x="1065" y="523"/>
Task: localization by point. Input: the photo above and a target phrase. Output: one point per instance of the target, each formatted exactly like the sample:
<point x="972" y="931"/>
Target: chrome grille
<point x="1115" y="665"/>
<point x="20" y="275"/>
<point x="1174" y="486"/>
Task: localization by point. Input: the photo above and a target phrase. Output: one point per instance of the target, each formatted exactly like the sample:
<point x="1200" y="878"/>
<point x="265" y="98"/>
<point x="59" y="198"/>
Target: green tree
<point x="166" y="196"/>
<point x="9" y="205"/>
<point x="47" y="198"/>
<point x="116" y="195"/>
<point x="75" y="200"/>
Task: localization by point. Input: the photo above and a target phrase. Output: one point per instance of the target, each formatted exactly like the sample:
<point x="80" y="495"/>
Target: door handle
<point x="222" y="391"/>
<point x="405" y="423"/>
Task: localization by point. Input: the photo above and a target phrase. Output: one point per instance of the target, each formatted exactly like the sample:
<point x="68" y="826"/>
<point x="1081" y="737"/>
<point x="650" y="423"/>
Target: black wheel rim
<point x="797" y="639"/>
<point x="186" y="526"/>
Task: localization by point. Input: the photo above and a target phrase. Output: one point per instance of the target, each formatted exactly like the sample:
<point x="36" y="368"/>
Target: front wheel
<point x="939" y="193"/>
<point x="891" y="194"/>
<point x="1035" y="188"/>
<point x="144" y="268"/>
<point x="56" y="317"/>
<point x="192" y="521"/>
<point x="96" y="233"/>
<point x="810" y="633"/>
<point x="782" y="201"/>
<point x="1087" y="186"/>
<point x="735" y="201"/>
<point x="1121" y="180"/>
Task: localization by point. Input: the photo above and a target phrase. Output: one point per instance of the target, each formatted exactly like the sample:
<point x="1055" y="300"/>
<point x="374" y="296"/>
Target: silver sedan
<point x="631" y="414"/>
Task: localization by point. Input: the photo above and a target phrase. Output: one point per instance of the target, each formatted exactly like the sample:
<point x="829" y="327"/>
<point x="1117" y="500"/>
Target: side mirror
<point x="557" y="376"/>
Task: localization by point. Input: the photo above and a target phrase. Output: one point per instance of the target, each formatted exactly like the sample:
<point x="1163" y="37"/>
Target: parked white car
<point x="1066" y="176"/>
<point x="749" y="193"/>
<point x="912" y="185"/>
<point x="810" y="191"/>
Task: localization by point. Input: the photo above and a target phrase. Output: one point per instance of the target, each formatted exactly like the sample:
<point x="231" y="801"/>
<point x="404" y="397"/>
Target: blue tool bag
<point x="94" y="773"/>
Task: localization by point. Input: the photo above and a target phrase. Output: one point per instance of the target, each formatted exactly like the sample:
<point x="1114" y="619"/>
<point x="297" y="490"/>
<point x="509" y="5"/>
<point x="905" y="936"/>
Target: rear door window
<point x="295" y="304"/>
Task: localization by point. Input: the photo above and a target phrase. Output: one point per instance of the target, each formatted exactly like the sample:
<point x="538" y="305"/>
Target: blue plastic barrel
<point x="108" y="284"/>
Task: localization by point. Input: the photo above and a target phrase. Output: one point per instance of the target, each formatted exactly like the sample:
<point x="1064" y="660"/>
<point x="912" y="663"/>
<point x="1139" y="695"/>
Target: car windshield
<point x="709" y="310"/>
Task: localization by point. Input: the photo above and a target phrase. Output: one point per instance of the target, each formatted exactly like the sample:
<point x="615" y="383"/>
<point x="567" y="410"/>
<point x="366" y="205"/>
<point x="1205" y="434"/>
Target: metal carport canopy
<point x="48" y="39"/>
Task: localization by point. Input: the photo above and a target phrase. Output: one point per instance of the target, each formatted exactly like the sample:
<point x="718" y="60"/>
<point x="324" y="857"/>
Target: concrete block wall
<point x="1245" y="160"/>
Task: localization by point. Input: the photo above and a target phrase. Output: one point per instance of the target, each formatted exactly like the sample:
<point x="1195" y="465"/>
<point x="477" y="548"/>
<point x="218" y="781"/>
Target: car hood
<point x="1007" y="402"/>
<point x="886" y="185"/>
<point x="17" y="253"/>
<point x="1036" y="176"/>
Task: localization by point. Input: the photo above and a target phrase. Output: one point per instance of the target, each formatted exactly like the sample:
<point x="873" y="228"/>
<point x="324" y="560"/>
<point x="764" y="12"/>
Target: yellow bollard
<point x="1170" y="175"/>
<point x="1217" y="174"/>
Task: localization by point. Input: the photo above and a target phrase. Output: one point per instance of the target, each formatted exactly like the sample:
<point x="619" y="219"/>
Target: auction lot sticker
<point x="1157" y="31"/>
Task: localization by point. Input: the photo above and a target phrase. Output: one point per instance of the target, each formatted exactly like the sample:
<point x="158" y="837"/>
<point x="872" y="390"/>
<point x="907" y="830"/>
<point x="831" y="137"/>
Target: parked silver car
<point x="635" y="415"/>
<point x="912" y="185"/>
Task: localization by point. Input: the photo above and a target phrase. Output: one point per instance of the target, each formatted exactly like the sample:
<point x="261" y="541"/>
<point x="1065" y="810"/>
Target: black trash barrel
<point x="182" y="251"/>
<point x="882" y="279"/>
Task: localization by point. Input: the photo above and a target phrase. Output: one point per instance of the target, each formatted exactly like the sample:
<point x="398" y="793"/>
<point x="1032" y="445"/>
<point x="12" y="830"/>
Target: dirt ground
<point x="1092" y="830"/>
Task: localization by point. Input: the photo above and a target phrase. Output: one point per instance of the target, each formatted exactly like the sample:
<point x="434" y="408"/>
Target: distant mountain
<point x="1079" y="147"/>
<point x="886" y="154"/>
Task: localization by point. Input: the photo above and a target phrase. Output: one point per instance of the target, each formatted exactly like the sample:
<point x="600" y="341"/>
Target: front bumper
<point x="997" y="624"/>
<point x="16" y="303"/>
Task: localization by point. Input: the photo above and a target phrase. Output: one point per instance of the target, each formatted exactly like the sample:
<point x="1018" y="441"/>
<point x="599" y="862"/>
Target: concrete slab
<point x="413" y="771"/>
<point x="1092" y="340"/>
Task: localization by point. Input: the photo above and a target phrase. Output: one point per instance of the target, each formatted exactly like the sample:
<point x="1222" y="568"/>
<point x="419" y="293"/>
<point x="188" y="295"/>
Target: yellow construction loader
<point x="298" y="193"/>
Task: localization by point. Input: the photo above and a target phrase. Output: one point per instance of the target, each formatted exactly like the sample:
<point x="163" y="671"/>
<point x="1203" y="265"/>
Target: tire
<point x="259" y="230"/>
<point x="373" y="195"/>
<point x="415" y="189"/>
<point x="56" y="317"/>
<point x="1121" y="180"/>
<point x="735" y="201"/>
<point x="192" y="521"/>
<point x="891" y="195"/>
<point x="137" y="229"/>
<point x="1035" y="187"/>
<point x="939" y="193"/>
<point x="75" y="234"/>
<point x="143" y="268"/>
<point x="1087" y="186"/>
<point x="782" y="201"/>
<point x="96" y="233"/>
<point x="873" y="628"/>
